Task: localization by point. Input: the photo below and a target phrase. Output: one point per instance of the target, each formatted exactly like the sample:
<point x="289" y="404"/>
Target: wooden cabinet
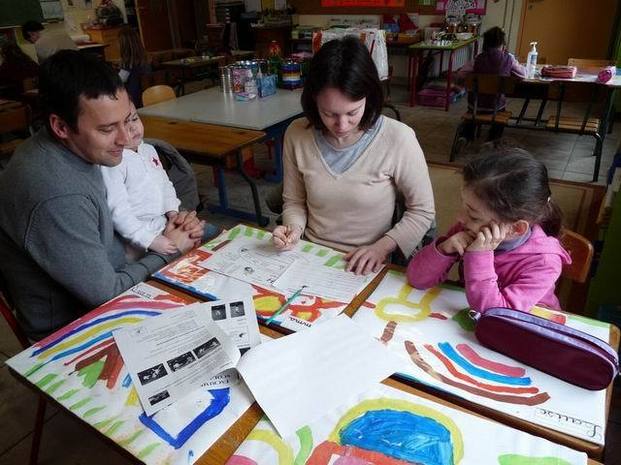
<point x="110" y="37"/>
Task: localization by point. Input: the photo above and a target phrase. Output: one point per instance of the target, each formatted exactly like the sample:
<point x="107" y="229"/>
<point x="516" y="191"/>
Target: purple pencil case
<point x="563" y="352"/>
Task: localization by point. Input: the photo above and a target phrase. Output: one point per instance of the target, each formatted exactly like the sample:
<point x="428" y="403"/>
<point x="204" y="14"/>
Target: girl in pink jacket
<point x="505" y="238"/>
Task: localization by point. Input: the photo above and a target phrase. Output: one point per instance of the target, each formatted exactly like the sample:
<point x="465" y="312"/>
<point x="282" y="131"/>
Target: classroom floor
<point x="67" y="442"/>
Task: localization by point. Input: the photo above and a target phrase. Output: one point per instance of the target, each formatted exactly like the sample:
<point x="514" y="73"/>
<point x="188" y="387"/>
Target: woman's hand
<point x="183" y="240"/>
<point x="285" y="237"/>
<point x="162" y="244"/>
<point x="456" y="244"/>
<point x="488" y="238"/>
<point x="188" y="222"/>
<point x="370" y="258"/>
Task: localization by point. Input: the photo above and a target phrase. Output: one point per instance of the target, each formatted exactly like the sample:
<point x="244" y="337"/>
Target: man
<point x="46" y="43"/>
<point x="59" y="256"/>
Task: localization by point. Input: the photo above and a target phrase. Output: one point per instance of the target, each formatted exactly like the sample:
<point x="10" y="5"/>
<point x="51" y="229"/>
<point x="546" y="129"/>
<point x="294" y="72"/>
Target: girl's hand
<point x="370" y="258"/>
<point x="488" y="238"/>
<point x="161" y="244"/>
<point x="456" y="244"/>
<point x="285" y="237"/>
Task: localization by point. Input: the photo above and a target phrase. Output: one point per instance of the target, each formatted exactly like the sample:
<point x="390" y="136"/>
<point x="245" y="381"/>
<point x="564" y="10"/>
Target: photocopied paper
<point x="298" y="378"/>
<point x="173" y="354"/>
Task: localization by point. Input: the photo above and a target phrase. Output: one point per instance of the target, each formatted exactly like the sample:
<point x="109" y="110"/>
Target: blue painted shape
<point x="221" y="398"/>
<point x="400" y="435"/>
<point x="127" y="381"/>
<point x="448" y="350"/>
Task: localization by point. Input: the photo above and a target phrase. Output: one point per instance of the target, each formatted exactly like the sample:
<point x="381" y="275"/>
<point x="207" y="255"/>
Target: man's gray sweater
<point x="59" y="255"/>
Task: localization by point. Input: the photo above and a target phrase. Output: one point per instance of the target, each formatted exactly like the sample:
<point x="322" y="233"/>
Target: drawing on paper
<point x="188" y="274"/>
<point x="387" y="426"/>
<point x="81" y="367"/>
<point x="433" y="333"/>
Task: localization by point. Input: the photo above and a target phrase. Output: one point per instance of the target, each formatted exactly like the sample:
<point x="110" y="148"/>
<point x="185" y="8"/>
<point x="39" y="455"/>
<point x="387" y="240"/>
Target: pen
<point x="284" y="306"/>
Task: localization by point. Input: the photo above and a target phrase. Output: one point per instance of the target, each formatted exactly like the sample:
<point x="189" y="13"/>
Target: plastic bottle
<point x="531" y="61"/>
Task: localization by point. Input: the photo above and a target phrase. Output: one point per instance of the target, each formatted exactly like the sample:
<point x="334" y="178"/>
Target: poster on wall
<point x="476" y="7"/>
<point x="364" y="3"/>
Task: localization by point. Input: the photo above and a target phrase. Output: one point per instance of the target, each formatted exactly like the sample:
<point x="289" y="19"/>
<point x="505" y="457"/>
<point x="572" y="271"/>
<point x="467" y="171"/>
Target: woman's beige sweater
<point x="356" y="207"/>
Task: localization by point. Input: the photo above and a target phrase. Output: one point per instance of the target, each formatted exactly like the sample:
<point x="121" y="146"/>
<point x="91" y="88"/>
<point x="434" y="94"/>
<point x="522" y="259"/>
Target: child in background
<point x="141" y="198"/>
<point x="493" y="60"/>
<point x="505" y="239"/>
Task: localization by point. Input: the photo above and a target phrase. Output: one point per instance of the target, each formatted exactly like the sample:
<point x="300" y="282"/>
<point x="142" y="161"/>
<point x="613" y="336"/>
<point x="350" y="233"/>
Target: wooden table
<point x="417" y="50"/>
<point x="195" y="67"/>
<point x="271" y="114"/>
<point x="208" y="144"/>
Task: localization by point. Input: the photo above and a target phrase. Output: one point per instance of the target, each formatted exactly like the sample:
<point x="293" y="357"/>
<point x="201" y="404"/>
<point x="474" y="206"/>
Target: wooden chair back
<point x="157" y="94"/>
<point x="488" y="85"/>
<point x="581" y="251"/>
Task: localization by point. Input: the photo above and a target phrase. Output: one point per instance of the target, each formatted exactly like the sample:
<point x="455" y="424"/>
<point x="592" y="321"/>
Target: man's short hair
<point x="31" y="26"/>
<point x="66" y="76"/>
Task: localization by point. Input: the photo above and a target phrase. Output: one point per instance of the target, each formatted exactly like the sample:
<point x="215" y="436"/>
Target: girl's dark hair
<point x="69" y="74"/>
<point x="493" y="38"/>
<point x="133" y="54"/>
<point x="514" y="185"/>
<point x="344" y="64"/>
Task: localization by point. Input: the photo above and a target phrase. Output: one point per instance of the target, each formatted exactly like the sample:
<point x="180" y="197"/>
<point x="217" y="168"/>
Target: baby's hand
<point x="489" y="237"/>
<point x="161" y="244"/>
<point x="456" y="244"/>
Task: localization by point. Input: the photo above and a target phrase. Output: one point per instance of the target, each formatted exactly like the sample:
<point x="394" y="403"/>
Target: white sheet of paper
<point x="250" y="259"/>
<point x="322" y="281"/>
<point x="173" y="354"/>
<point x="300" y="377"/>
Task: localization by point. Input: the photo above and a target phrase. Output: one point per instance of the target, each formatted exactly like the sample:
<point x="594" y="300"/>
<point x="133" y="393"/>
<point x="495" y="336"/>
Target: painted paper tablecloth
<point x="388" y="426"/>
<point x="80" y="366"/>
<point x="432" y="332"/>
<point x="186" y="273"/>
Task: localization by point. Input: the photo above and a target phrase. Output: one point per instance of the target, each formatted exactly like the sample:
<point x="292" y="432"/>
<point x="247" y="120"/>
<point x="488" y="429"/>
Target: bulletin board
<point x="316" y="7"/>
<point x="16" y="13"/>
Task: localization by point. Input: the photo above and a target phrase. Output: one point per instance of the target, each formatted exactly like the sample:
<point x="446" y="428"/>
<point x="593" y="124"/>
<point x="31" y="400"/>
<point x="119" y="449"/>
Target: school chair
<point x="593" y="96"/>
<point x="37" y="432"/>
<point x="491" y="87"/>
<point x="157" y="94"/>
<point x="581" y="251"/>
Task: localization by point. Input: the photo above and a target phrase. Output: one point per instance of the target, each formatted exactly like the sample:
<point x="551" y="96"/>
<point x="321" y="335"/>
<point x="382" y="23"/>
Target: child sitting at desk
<point x="505" y="238"/>
<point x="141" y="198"/>
<point x="493" y="60"/>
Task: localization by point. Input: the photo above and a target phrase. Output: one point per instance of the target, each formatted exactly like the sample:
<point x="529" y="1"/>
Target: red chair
<point x="9" y="316"/>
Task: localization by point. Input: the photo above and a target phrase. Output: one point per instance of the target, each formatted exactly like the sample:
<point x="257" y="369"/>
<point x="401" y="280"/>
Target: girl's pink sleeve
<point x="430" y="267"/>
<point x="536" y="277"/>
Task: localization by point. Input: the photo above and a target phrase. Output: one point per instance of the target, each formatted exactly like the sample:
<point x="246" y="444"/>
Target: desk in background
<point x="208" y="144"/>
<point x="417" y="51"/>
<point x="195" y="67"/>
<point x="271" y="115"/>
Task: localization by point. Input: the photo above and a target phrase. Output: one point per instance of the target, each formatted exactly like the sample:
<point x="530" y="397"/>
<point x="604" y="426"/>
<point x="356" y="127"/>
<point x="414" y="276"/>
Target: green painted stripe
<point x="396" y="273"/>
<point x="323" y="252"/>
<point x="34" y="369"/>
<point x="113" y="429"/>
<point x="80" y="403"/>
<point x="333" y="260"/>
<point x="249" y="232"/>
<point x="52" y="389"/>
<point x="307" y="248"/>
<point x="234" y="233"/>
<point x="100" y="425"/>
<point x="147" y="450"/>
<point x="305" y="436"/>
<point x="47" y="379"/>
<point x="451" y="287"/>
<point x="261" y="234"/>
<point x="93" y="411"/>
<point x="132" y="438"/>
<point x="68" y="394"/>
<point x="589" y="321"/>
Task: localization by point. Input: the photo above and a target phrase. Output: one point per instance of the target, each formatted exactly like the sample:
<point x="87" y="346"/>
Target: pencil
<point x="284" y="306"/>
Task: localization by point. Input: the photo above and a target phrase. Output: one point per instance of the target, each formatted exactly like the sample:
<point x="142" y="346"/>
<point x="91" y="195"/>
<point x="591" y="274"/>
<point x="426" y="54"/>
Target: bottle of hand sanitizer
<point x="531" y="61"/>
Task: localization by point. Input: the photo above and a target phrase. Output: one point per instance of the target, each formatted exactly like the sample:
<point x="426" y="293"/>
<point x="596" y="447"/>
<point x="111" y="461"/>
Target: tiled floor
<point x="67" y="442"/>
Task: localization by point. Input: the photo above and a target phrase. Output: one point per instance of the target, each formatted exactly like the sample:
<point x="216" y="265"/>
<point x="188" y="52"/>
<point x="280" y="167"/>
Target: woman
<point x="134" y="63"/>
<point x="345" y="163"/>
